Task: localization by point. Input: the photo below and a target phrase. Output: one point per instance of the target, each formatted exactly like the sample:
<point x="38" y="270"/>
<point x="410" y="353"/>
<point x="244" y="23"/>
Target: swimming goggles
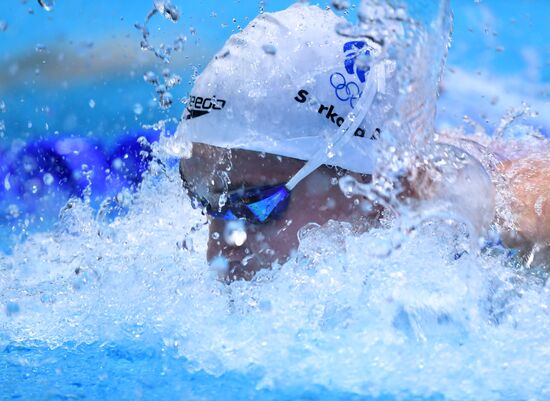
<point x="259" y="205"/>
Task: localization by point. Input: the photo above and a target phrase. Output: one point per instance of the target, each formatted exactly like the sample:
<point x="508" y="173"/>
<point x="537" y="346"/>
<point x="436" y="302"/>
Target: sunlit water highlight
<point x="410" y="310"/>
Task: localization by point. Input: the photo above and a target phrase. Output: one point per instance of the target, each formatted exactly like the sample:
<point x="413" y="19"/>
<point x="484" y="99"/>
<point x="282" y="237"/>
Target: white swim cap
<point x="285" y="85"/>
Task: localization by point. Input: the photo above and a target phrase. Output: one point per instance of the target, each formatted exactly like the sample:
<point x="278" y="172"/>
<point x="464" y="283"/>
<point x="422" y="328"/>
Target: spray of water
<point x="162" y="51"/>
<point x="413" y="307"/>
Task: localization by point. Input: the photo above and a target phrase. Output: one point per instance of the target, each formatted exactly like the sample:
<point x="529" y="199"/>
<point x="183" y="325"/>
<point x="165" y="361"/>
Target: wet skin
<point x="211" y="171"/>
<point x="317" y="199"/>
<point x="528" y="185"/>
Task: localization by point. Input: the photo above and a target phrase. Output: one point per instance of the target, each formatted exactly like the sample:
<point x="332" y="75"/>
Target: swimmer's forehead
<point x="218" y="169"/>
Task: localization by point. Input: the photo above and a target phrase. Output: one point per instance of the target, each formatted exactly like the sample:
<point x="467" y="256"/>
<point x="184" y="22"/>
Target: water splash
<point x="162" y="51"/>
<point x="166" y="9"/>
<point x="420" y="318"/>
<point x="410" y="308"/>
<point x="165" y="100"/>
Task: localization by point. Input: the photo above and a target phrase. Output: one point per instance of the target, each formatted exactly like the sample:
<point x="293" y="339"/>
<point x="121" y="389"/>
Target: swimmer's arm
<point x="527" y="187"/>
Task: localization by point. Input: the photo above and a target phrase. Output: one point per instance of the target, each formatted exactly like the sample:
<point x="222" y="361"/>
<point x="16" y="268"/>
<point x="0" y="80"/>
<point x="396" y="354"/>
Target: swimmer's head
<point x="286" y="85"/>
<point x="286" y="92"/>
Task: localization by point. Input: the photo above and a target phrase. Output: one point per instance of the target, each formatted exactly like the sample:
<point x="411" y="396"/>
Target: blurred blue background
<point x="72" y="91"/>
<point x="53" y="65"/>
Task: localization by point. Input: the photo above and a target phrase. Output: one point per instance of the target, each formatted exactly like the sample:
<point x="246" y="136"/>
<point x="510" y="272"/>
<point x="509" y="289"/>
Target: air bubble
<point x="3" y="26"/>
<point x="91" y="103"/>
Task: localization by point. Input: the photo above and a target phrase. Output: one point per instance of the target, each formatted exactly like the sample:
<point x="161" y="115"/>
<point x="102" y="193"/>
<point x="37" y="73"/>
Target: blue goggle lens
<point x="255" y="205"/>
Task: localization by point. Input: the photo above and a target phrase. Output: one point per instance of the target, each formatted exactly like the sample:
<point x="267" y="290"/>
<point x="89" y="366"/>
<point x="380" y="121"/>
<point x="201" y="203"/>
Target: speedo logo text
<point x="199" y="106"/>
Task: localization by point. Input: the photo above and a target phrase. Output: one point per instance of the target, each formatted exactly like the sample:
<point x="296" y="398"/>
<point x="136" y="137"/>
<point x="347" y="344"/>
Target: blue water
<point x="144" y="318"/>
<point x="111" y="371"/>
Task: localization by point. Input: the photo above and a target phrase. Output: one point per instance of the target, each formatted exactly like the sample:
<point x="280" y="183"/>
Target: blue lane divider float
<point x="65" y="166"/>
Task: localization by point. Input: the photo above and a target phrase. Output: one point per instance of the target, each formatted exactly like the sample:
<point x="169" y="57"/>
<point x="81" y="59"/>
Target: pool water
<point x="105" y="292"/>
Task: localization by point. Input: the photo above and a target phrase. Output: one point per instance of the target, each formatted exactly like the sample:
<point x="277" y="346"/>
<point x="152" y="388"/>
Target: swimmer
<point x="260" y="118"/>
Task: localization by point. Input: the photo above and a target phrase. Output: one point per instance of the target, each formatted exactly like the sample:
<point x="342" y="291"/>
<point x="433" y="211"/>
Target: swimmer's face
<point x="317" y="199"/>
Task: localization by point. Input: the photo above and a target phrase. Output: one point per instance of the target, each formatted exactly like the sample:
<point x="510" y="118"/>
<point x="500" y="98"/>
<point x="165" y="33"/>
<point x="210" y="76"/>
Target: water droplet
<point x="234" y="233"/>
<point x="48" y="179"/>
<point x="91" y="103"/>
<point x="47" y="4"/>
<point x="362" y="62"/>
<point x="138" y="109"/>
<point x="222" y="200"/>
<point x="348" y="185"/>
<point x="340" y="5"/>
<point x="168" y="10"/>
<point x="166" y="100"/>
<point x="215" y="235"/>
<point x="13" y="210"/>
<point x="150" y="77"/>
<point x="306" y="230"/>
<point x="117" y="164"/>
<point x="172" y="80"/>
<point x="7" y="184"/>
<point x="40" y="48"/>
<point x="269" y="49"/>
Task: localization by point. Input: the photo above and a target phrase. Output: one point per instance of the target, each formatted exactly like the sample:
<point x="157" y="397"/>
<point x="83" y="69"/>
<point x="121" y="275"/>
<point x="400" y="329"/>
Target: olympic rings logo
<point x="345" y="91"/>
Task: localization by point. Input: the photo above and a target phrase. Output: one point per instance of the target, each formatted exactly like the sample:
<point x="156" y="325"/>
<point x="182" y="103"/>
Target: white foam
<point x="382" y="312"/>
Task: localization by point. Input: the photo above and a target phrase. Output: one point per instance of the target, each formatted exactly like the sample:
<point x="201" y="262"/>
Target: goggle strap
<point x="375" y="82"/>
